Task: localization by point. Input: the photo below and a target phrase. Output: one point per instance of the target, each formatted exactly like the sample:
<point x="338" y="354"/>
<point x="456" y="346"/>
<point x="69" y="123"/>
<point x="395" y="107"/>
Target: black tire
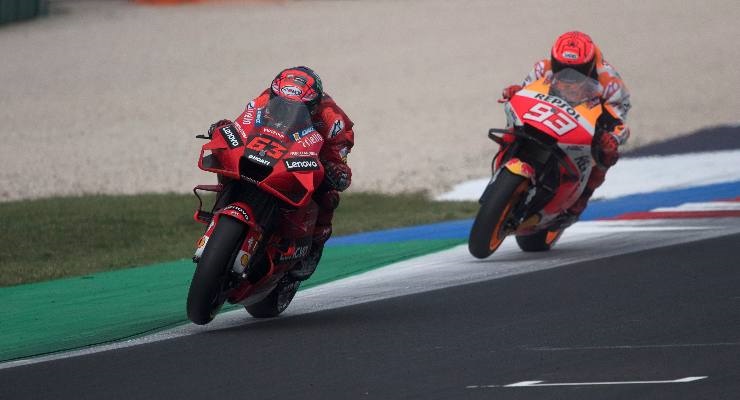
<point x="275" y="302"/>
<point x="487" y="232"/>
<point x="208" y="288"/>
<point x="539" y="241"/>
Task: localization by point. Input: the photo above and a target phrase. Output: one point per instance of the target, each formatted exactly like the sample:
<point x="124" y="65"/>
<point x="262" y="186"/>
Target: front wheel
<point x="539" y="241"/>
<point x="275" y="302"/>
<point x="208" y="289"/>
<point x="490" y="225"/>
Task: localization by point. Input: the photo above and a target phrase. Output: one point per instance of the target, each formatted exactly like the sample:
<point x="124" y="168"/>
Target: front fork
<point x="238" y="210"/>
<point x="515" y="166"/>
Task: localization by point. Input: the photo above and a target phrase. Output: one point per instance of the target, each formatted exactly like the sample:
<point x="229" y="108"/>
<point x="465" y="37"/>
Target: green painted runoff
<point x="65" y="314"/>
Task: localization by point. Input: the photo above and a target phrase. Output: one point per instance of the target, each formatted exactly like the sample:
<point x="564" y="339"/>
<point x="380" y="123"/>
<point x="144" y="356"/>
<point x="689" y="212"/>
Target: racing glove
<point x="217" y="125"/>
<point x="508" y="93"/>
<point x="607" y="151"/>
<point x="337" y="175"/>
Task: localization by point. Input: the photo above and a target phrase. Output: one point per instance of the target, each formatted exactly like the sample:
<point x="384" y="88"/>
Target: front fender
<point x="240" y="211"/>
<point x="521" y="168"/>
<point x="516" y="167"/>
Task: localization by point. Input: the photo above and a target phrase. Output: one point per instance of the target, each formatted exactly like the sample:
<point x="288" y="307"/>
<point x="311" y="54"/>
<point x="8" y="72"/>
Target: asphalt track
<point x="625" y="326"/>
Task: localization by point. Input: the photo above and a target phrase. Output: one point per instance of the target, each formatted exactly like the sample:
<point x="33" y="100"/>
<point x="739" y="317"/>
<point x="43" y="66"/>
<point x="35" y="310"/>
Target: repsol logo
<point x="301" y="164"/>
<point x="556" y="101"/>
<point x="229" y="134"/>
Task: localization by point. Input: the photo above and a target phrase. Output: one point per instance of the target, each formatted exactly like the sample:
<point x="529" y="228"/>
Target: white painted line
<point x="541" y="383"/>
<point x="523" y="383"/>
<point x="707" y="206"/>
<point x="632" y="347"/>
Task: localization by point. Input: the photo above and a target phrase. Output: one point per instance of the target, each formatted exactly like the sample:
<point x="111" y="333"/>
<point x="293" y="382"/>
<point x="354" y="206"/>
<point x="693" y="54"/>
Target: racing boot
<point x="596" y="179"/>
<point x="328" y="202"/>
<point x="311" y="261"/>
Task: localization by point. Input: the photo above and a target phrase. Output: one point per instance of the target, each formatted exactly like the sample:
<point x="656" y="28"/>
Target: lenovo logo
<point x="229" y="134"/>
<point x="301" y="164"/>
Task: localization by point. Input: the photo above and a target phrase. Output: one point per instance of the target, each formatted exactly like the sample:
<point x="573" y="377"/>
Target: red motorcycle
<point x="261" y="224"/>
<point x="544" y="170"/>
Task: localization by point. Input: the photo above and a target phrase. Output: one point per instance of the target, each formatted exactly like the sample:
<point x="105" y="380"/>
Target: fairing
<point x="277" y="151"/>
<point x="564" y="108"/>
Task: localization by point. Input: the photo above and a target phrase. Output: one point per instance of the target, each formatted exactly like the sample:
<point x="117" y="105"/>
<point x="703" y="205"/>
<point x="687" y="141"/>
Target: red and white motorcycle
<point x="539" y="174"/>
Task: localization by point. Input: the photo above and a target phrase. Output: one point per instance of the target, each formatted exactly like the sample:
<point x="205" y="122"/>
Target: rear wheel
<point x="275" y="302"/>
<point x="539" y="241"/>
<point x="208" y="289"/>
<point x="490" y="225"/>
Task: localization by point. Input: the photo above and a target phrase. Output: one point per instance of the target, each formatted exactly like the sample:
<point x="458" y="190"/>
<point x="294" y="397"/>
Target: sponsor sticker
<point x="273" y="132"/>
<point x="303" y="153"/>
<point x="301" y="164"/>
<point x="229" y="134"/>
<point x="612" y="88"/>
<point x="558" y="102"/>
<point x="248" y="114"/>
<point x="539" y="70"/>
<point x="336" y="128"/>
<point x="259" y="160"/>
<point x="236" y="210"/>
<point x="299" y="135"/>
<point x="299" y="252"/>
<point x="291" y="91"/>
<point x="312" y="139"/>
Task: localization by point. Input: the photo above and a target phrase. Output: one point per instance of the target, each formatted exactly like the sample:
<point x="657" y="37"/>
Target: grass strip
<point x="74" y="236"/>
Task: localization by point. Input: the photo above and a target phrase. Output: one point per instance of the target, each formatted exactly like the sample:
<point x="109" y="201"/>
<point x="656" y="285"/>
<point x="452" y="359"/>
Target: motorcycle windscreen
<point x="269" y="141"/>
<point x="574" y="87"/>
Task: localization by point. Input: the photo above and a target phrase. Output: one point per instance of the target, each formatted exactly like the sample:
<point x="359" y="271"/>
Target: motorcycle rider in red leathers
<point x="576" y="50"/>
<point x="301" y="84"/>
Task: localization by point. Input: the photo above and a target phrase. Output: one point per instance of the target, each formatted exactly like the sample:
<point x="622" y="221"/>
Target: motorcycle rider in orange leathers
<point x="303" y="85"/>
<point x="576" y="50"/>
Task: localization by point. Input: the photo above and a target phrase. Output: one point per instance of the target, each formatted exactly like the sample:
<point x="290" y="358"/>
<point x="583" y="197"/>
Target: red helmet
<point x="299" y="84"/>
<point x="574" y="50"/>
